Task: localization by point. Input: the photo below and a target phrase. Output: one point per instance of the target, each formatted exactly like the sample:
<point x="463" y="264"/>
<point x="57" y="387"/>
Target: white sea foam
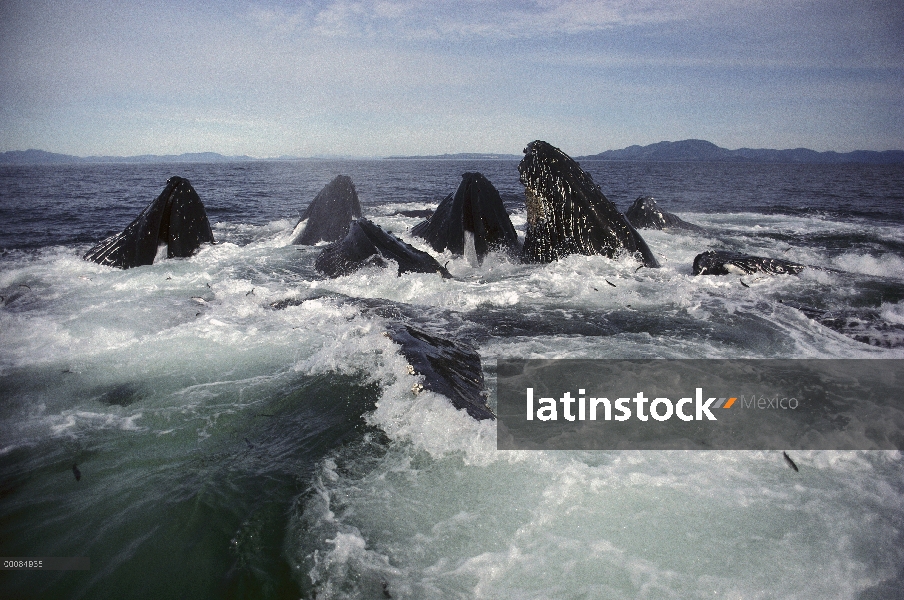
<point x="441" y="512"/>
<point x="885" y="265"/>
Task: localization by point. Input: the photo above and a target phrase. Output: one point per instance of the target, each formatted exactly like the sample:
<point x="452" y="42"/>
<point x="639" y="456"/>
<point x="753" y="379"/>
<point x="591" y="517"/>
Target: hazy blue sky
<point x="380" y="77"/>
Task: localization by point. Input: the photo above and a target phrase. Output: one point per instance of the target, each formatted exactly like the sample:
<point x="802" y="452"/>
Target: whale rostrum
<point x="327" y="217"/>
<point x="471" y="222"/>
<point x="646" y="214"/>
<point x="568" y="214"/>
<point x="451" y="368"/>
<point x="176" y="218"/>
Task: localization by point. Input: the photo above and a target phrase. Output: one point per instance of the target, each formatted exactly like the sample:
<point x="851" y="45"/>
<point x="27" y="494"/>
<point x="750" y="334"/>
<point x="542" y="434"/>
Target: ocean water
<point x="230" y="449"/>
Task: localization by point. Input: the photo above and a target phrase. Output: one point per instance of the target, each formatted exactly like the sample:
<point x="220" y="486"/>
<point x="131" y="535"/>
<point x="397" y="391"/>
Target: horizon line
<point x="445" y="155"/>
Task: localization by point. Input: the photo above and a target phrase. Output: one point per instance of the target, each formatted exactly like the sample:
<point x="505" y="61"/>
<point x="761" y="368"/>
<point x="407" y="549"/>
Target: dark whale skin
<point x="475" y="208"/>
<point x="568" y="214"/>
<point x="646" y="214"/>
<point x="367" y="244"/>
<point x="726" y="263"/>
<point x="176" y="218"/>
<point x="330" y="213"/>
<point x="449" y="368"/>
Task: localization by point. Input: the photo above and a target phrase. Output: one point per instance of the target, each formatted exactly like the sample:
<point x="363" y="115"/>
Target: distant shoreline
<point x="682" y="151"/>
<point x="459" y="156"/>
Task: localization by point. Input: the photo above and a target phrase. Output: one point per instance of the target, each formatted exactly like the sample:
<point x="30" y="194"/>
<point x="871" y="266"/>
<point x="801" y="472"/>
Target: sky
<point x="387" y="77"/>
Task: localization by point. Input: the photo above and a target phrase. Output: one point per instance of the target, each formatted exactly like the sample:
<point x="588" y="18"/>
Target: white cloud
<point x="420" y="19"/>
<point x="370" y="76"/>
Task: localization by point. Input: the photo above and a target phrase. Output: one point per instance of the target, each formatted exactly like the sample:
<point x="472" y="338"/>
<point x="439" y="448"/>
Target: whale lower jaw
<point x="162" y="252"/>
<point x="471" y="250"/>
<point x="563" y="230"/>
<point x="298" y="231"/>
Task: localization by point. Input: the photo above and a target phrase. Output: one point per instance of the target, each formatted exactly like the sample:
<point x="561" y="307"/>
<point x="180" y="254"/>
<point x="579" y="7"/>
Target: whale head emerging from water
<point x="367" y="244"/>
<point x="568" y="214"/>
<point x="449" y="367"/>
<point x="176" y="218"/>
<point x="327" y="217"/>
<point x="646" y="214"/>
<point x="471" y="223"/>
<point x="723" y="262"/>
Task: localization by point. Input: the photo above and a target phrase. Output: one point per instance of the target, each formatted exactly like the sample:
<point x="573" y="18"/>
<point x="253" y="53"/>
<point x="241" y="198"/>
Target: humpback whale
<point x="568" y="214"/>
<point x="449" y="368"/>
<point x="367" y="244"/>
<point x="724" y="263"/>
<point x="176" y="218"/>
<point x="327" y="217"/>
<point x="471" y="222"/>
<point x="646" y="214"/>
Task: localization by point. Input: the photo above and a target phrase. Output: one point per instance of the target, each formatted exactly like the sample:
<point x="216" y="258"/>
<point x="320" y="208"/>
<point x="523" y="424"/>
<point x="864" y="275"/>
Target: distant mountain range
<point x="703" y="151"/>
<point x="685" y="150"/>
<point x="460" y="156"/>
<point x="40" y="157"/>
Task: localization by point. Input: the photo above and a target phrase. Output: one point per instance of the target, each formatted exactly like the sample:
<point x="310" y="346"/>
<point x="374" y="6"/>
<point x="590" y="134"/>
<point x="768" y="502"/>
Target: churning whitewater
<point x="235" y="424"/>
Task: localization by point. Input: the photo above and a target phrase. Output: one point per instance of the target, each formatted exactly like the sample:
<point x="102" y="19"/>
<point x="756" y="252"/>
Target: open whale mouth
<point x="176" y="219"/>
<point x="471" y="222"/>
<point x="568" y="214"/>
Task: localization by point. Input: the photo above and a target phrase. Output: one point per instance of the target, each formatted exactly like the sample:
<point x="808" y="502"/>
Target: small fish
<point x="386" y="593"/>
<point x="76" y="472"/>
<point x="251" y="292"/>
<point x="208" y="285"/>
<point x="610" y="283"/>
<point x="168" y="278"/>
<point x="199" y="299"/>
<point x="638" y="268"/>
<point x="790" y="462"/>
<point x="744" y="284"/>
<point x="595" y="290"/>
<point x="25" y="286"/>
